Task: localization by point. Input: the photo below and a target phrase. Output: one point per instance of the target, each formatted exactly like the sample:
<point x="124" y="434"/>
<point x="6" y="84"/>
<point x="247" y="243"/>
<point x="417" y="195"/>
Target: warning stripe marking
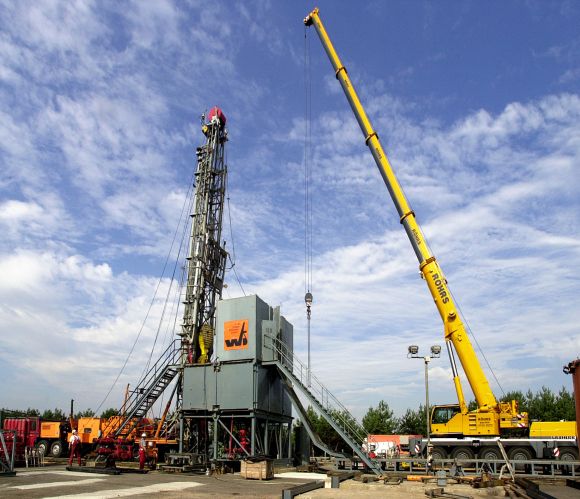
<point x="88" y="481"/>
<point x="133" y="491"/>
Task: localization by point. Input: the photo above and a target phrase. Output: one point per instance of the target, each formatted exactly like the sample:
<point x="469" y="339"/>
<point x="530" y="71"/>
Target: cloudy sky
<point x="478" y="108"/>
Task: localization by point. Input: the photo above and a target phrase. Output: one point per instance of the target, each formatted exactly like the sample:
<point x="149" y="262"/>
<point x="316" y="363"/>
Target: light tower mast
<point x="206" y="260"/>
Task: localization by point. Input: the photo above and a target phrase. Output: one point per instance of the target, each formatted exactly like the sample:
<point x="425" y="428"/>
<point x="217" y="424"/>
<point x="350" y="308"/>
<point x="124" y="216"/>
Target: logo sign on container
<point x="236" y="335"/>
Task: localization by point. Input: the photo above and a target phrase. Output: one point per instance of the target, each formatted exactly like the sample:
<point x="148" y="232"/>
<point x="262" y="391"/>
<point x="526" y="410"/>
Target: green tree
<point x="109" y="412"/>
<point x="380" y="421"/>
<point x="543" y="405"/>
<point x="322" y="428"/>
<point x="88" y="413"/>
<point x="326" y="432"/>
<point x="413" y="422"/>
<point x="565" y="407"/>
<point x="56" y="415"/>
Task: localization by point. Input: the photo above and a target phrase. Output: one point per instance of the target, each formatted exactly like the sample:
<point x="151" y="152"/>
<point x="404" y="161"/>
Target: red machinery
<point x="111" y="449"/>
<point x="216" y="112"/>
<point x="50" y="436"/>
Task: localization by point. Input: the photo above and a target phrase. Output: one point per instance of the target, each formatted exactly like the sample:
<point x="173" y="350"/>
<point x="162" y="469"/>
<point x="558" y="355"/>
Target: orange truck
<point x="50" y="436"/>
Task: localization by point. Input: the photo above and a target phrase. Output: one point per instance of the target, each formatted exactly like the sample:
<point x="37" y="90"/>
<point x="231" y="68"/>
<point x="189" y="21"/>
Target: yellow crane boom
<point x="454" y="329"/>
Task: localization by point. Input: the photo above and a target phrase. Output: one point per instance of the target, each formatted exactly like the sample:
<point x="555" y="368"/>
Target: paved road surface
<point x="57" y="482"/>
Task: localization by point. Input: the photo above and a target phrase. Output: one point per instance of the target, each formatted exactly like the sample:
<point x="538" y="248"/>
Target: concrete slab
<point x="56" y="482"/>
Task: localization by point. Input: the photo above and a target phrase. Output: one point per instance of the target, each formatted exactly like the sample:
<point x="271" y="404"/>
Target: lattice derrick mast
<point x="206" y="258"/>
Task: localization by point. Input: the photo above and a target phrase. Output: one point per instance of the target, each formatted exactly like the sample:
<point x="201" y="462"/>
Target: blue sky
<point x="478" y="108"/>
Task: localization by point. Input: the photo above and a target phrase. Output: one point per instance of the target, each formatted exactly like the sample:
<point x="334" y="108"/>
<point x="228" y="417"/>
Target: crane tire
<point x="463" y="455"/>
<point x="490" y="454"/>
<point x="439" y="453"/>
<point x="568" y="455"/>
<point x="520" y="454"/>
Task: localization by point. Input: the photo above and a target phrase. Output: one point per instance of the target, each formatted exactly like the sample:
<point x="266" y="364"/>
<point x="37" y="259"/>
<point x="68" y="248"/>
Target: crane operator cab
<point x="441" y="415"/>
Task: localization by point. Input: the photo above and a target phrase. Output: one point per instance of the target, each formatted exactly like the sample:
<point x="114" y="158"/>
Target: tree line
<point x="544" y="405"/>
<point x="53" y="414"/>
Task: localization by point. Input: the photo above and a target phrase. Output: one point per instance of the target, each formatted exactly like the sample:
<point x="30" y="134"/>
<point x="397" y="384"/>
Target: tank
<point x="573" y="368"/>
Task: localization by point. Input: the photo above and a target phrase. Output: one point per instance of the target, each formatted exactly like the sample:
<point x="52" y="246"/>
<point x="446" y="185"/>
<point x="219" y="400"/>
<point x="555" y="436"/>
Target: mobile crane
<point x="458" y="432"/>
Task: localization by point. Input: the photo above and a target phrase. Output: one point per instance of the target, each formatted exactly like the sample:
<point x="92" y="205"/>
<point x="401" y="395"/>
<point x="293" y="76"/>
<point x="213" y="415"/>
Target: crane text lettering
<point x="440" y="288"/>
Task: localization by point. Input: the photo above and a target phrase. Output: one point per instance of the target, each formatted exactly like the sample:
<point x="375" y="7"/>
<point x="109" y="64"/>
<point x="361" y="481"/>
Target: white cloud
<point x="497" y="245"/>
<point x="97" y="147"/>
<point x="80" y="317"/>
<point x="15" y="211"/>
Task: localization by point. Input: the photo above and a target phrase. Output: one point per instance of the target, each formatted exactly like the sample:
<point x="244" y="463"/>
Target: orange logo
<point x="236" y="335"/>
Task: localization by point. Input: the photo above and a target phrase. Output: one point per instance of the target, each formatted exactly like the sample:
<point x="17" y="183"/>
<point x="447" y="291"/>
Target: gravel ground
<point x="411" y="490"/>
<point x="416" y="490"/>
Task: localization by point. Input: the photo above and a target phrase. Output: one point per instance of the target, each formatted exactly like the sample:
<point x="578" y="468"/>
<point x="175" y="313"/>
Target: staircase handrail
<point x="167" y="358"/>
<point x="326" y="399"/>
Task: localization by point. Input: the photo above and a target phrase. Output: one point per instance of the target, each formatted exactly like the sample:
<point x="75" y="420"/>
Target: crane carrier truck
<point x="458" y="432"/>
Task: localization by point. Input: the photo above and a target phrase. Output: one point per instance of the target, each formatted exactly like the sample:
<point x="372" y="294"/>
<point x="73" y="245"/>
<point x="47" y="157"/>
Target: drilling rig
<point x="205" y="268"/>
<point x="207" y="257"/>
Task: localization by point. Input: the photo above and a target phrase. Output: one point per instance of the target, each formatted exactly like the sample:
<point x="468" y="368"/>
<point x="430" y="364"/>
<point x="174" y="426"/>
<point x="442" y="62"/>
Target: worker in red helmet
<point x="74" y="445"/>
<point x="142" y="451"/>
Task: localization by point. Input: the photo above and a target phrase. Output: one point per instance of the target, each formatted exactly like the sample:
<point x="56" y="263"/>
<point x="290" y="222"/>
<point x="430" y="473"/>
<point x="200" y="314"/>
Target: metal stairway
<point x="296" y="376"/>
<point x="148" y="390"/>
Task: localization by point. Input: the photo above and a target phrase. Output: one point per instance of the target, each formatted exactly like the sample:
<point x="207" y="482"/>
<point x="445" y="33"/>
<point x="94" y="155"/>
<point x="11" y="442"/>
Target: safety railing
<point x="311" y="383"/>
<point x="537" y="468"/>
<point x="34" y="457"/>
<point x="8" y="444"/>
<point x="354" y="434"/>
<point x="147" y="391"/>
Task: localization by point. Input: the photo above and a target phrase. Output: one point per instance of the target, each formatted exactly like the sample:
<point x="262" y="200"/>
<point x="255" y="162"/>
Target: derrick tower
<point x="207" y="257"/>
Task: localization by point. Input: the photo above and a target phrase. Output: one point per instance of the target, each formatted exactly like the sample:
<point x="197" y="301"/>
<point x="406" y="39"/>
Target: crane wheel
<point x="490" y="454"/>
<point x="568" y="455"/>
<point x="520" y="454"/>
<point x="463" y="455"/>
<point x="438" y="453"/>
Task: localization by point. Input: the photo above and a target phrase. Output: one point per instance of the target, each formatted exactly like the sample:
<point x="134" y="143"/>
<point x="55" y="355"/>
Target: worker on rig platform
<point x="142" y="451"/>
<point x="74" y="444"/>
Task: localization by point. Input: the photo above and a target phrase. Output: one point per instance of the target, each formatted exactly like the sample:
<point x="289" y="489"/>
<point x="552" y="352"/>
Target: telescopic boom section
<point x="455" y="331"/>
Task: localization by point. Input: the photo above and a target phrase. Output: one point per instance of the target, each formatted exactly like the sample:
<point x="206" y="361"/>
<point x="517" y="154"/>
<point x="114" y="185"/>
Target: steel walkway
<point x="296" y="377"/>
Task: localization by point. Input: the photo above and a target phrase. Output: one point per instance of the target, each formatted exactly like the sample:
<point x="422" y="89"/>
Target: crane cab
<point x="447" y="420"/>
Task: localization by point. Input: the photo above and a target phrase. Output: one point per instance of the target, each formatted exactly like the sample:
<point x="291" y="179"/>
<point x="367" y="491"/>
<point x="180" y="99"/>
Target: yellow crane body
<point x="491" y="417"/>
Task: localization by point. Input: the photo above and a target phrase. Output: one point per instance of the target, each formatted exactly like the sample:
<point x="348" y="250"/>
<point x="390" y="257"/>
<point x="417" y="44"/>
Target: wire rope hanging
<point x="308" y="298"/>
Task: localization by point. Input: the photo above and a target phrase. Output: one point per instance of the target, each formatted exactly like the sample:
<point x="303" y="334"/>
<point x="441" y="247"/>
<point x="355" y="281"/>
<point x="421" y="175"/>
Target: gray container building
<point x="236" y="394"/>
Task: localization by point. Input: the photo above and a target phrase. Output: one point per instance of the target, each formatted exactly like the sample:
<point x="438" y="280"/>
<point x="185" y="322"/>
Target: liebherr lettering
<point x="440" y="288"/>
